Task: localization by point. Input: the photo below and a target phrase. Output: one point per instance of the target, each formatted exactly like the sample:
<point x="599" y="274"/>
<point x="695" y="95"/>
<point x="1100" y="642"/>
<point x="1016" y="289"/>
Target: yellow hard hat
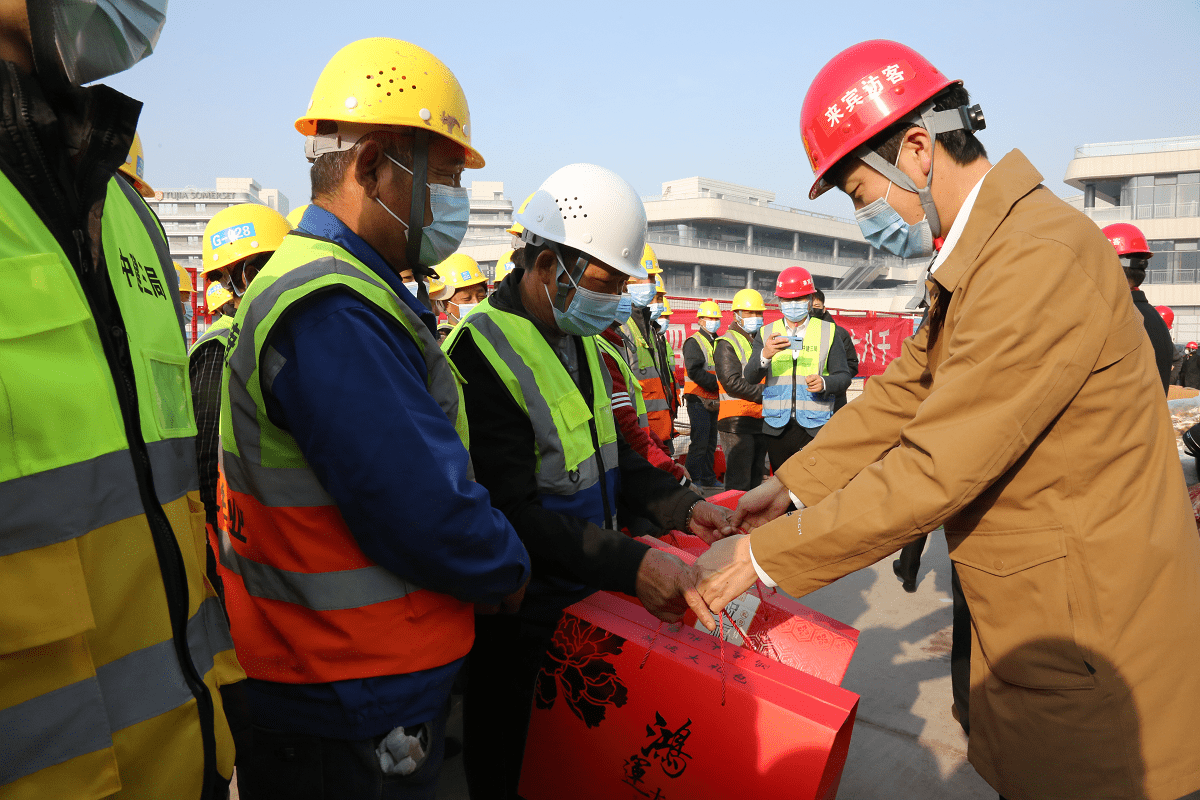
<point x="386" y="82"/>
<point x="709" y="309"/>
<point x="216" y="296"/>
<point x="460" y="270"/>
<point x="240" y="231"/>
<point x="659" y="286"/>
<point x="666" y="312"/>
<point x="748" y="300"/>
<point x="503" y="266"/>
<point x="185" y="278"/>
<point x="650" y="261"/>
<point x="294" y="216"/>
<point x="438" y="290"/>
<point x="134" y="167"/>
<point x="516" y="229"/>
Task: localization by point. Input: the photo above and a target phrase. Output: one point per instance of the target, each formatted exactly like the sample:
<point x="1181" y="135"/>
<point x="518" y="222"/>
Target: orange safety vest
<point x="641" y="361"/>
<point x="735" y="406"/>
<point x="305" y="604"/>
<point x="689" y="385"/>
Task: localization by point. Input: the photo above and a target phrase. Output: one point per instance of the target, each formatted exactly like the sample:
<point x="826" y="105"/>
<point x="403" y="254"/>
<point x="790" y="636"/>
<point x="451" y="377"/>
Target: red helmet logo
<point x="794" y="282"/>
<point x="1127" y="239"/>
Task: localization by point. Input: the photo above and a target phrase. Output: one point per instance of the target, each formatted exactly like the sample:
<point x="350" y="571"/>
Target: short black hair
<point x="960" y="145"/>
<point x="819" y="295"/>
<point x="1135" y="269"/>
<point x="329" y="170"/>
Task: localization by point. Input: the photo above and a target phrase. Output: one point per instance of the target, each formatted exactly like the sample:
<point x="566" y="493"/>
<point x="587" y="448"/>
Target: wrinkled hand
<point x="776" y="344"/>
<point x="727" y="572"/>
<point x="710" y="522"/>
<point x="815" y="383"/>
<point x="761" y="505"/>
<point x="667" y="587"/>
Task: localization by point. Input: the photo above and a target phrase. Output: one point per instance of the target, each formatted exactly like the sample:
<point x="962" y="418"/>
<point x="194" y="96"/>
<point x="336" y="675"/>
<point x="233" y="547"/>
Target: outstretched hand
<point x="761" y="505"/>
<point x="711" y="522"/>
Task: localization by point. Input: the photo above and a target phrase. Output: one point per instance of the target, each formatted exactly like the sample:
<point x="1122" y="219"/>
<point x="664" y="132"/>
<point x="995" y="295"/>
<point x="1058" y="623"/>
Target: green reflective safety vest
<point x="572" y="477"/>
<point x="631" y="383"/>
<point x="735" y="406"/>
<point x="219" y="329"/>
<point x="689" y="385"/>
<point x="642" y="363"/>
<point x="99" y="692"/>
<point x="306" y="605"/>
<point x="785" y="395"/>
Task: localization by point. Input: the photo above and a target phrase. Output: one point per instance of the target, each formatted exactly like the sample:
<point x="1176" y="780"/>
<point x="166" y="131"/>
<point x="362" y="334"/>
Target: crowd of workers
<point x="293" y="563"/>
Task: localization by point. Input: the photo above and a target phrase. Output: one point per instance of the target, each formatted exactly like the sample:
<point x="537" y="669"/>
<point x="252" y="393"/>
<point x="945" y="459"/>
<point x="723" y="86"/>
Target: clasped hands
<point x="667" y="587"/>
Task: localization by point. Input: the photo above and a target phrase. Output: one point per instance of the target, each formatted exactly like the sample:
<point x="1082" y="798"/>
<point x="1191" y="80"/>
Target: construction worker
<point x="113" y="645"/>
<point x="1026" y="417"/>
<point x="468" y="286"/>
<point x="663" y="354"/>
<point x="841" y="338"/>
<point x="186" y="288"/>
<point x="545" y="445"/>
<point x="350" y="593"/>
<point x="237" y="242"/>
<point x="134" y="168"/>
<point x="1134" y="252"/>
<point x="1189" y="372"/>
<point x="641" y="356"/>
<point x="701" y="393"/>
<point x="803" y="365"/>
<point x="739" y="416"/>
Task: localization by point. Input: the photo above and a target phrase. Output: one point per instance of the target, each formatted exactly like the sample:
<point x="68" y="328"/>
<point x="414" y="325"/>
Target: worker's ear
<point x="545" y="266"/>
<point x="369" y="166"/>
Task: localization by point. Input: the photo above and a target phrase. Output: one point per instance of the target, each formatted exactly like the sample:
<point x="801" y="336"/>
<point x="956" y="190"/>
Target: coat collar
<point x="1009" y="181"/>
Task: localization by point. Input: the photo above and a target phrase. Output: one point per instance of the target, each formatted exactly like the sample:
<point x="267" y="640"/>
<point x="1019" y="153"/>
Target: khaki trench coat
<point x="1027" y="417"/>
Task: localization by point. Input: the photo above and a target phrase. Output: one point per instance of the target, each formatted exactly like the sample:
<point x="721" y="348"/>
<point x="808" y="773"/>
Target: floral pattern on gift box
<point x="577" y="660"/>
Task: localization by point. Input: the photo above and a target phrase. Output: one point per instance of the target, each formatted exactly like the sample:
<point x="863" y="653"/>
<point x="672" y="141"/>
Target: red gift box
<point x="777" y="626"/>
<point x="628" y="708"/>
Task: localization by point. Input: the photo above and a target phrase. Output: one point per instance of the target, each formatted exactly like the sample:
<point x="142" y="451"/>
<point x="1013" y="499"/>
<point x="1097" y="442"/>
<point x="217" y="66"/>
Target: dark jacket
<point x="836" y="382"/>
<point x="694" y="362"/>
<point x="1189" y="373"/>
<point x="842" y="336"/>
<point x="505" y="460"/>
<point x="1160" y="336"/>
<point x="1178" y="354"/>
<point x="729" y="373"/>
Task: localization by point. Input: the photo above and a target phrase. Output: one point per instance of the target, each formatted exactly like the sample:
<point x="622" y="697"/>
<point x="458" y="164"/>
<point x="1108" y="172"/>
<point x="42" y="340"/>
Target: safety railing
<point x="744" y="201"/>
<point x="1138" y="147"/>
<point x="655" y="237"/>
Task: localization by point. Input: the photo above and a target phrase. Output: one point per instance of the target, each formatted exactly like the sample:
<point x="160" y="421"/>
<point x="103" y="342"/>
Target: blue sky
<point x="659" y="90"/>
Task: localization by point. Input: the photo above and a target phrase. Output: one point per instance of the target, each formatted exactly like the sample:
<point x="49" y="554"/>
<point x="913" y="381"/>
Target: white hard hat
<point x="591" y="209"/>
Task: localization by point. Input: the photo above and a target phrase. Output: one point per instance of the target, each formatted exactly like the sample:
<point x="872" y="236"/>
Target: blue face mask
<point x="624" y="307"/>
<point x="451" y="210"/>
<point x="588" y="313"/>
<point x="884" y="228"/>
<point x="642" y="294"/>
<point x="656" y="310"/>
<point x="752" y="324"/>
<point x="662" y="323"/>
<point x="795" y="311"/>
<point x="711" y="325"/>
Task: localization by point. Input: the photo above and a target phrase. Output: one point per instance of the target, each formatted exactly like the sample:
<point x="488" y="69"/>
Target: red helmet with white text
<point x="1167" y="315"/>
<point x="1127" y="240"/>
<point x="794" y="282"/>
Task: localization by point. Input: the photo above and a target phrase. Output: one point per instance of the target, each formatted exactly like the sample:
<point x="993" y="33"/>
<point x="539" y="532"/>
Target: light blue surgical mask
<point x="662" y="323"/>
<point x="795" y="311"/>
<point x="588" y="313"/>
<point x="451" y="209"/>
<point x="752" y="324"/>
<point x="642" y="294"/>
<point x="656" y="310"/>
<point x="412" y="287"/>
<point x="463" y="310"/>
<point x="884" y="228"/>
<point x="624" y="307"/>
<point x="711" y="325"/>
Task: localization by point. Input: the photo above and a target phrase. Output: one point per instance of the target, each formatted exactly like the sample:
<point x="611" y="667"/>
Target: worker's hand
<point x="761" y="504"/>
<point x="726" y="572"/>
<point x="815" y="383"/>
<point x="775" y="344"/>
<point x="710" y="522"/>
<point x="667" y="587"/>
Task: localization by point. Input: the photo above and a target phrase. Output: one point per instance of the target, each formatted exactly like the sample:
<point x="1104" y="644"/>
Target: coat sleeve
<point x="839" y="377"/>
<point x="641" y="440"/>
<point x="729" y="372"/>
<point x="851" y="354"/>
<point x="755" y="371"/>
<point x="1010" y="370"/>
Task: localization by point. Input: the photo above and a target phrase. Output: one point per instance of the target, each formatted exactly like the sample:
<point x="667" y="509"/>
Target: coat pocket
<point x="1019" y="594"/>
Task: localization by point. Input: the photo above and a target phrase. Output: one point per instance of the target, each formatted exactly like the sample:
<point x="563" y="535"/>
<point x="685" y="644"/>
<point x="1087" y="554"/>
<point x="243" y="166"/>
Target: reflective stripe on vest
<point x="78" y="561"/>
<point x="689" y="385"/>
<point x="301" y="593"/>
<point x="785" y="394"/>
<point x="735" y="406"/>
<point x="642" y="364"/>
<point x="532" y="373"/>
<point x="220" y="328"/>
<point x="631" y="384"/>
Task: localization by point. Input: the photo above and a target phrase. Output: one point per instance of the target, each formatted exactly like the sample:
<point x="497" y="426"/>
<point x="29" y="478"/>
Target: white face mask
<point x="463" y="310"/>
<point x="412" y="287"/>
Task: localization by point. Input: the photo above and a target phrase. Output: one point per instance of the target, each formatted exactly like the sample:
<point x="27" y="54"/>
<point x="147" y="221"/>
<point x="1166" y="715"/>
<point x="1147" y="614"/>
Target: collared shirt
<point x="352" y="392"/>
<point x="960" y="222"/>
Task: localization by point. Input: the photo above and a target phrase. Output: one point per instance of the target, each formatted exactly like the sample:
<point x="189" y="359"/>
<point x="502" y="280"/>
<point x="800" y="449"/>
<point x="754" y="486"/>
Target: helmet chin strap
<point x="416" y="213"/>
<point x="561" y="291"/>
<point x="935" y="122"/>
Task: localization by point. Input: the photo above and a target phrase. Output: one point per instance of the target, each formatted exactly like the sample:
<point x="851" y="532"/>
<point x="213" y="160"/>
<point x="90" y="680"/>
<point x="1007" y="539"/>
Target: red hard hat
<point x="1167" y="314"/>
<point x="1192" y="345"/>
<point x="794" y="282"/>
<point x="1127" y="239"/>
<point x="862" y="91"/>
